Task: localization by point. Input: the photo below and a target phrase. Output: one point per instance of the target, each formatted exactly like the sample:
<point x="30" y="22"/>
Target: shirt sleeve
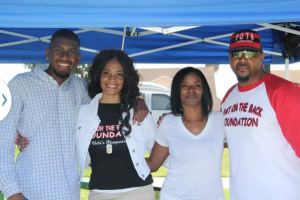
<point x="151" y="131"/>
<point x="161" y="137"/>
<point x="284" y="97"/>
<point x="9" y="181"/>
<point x="85" y="95"/>
<point x="226" y="95"/>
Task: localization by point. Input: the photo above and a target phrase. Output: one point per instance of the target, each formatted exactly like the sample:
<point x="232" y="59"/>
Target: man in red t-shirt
<point x="262" y="126"/>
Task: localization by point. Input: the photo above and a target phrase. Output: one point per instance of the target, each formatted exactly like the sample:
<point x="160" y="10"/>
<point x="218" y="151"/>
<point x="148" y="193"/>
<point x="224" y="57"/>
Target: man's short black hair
<point x="66" y="34"/>
<point x="175" y="99"/>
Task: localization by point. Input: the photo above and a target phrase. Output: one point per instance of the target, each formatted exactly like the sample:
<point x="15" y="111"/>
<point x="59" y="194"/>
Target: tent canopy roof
<point x="137" y="13"/>
<point x="178" y="31"/>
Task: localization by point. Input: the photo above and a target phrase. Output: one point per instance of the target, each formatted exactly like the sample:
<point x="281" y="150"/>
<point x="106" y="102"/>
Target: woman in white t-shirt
<point x="193" y="137"/>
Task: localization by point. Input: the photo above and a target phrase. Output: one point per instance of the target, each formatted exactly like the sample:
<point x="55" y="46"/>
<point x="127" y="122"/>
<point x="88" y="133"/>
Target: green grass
<point x="225" y="170"/>
<point x="16" y="152"/>
<point x="84" y="194"/>
<point x="227" y="194"/>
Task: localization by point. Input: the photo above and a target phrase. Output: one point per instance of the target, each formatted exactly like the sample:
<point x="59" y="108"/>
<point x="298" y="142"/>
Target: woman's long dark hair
<point x="130" y="88"/>
<point x="175" y="99"/>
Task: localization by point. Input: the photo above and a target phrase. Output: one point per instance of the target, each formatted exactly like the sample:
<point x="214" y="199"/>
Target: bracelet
<point x="140" y="97"/>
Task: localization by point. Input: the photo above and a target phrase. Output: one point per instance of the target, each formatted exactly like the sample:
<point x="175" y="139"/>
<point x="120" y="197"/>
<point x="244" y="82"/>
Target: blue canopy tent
<point x="177" y="31"/>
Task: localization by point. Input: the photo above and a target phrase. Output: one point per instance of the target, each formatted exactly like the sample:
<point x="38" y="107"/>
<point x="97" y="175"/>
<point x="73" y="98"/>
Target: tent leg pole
<point x="287" y="71"/>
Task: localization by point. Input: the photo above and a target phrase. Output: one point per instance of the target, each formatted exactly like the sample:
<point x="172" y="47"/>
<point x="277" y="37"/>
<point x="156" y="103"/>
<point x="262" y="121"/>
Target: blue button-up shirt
<point x="46" y="113"/>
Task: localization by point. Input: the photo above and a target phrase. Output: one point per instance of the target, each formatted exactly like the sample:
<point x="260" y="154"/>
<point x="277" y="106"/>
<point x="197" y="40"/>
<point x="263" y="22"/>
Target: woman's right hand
<point x="160" y="119"/>
<point x="22" y="143"/>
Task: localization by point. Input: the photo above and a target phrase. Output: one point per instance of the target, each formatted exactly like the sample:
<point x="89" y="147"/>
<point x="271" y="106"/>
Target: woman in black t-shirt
<point x="105" y="131"/>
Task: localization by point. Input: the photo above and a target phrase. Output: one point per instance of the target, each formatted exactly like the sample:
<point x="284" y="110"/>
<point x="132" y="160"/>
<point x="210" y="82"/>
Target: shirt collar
<point x="40" y="71"/>
<point x="253" y="85"/>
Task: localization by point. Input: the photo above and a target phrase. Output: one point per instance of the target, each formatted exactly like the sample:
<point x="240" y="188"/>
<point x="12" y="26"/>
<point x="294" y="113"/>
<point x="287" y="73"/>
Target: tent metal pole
<point x="89" y="50"/>
<point x="209" y="40"/>
<point x="287" y="59"/>
<point x="287" y="71"/>
<point x="19" y="42"/>
<point x="146" y="33"/>
<point x="287" y="30"/>
<point x="169" y="30"/>
<point x="123" y="41"/>
<point x="151" y="30"/>
<point x="165" y="48"/>
<point x="42" y="39"/>
<point x="133" y="31"/>
<point x="294" y="25"/>
<point x="214" y="37"/>
<point x="195" y="40"/>
<point x="188" y="43"/>
<point x="103" y="30"/>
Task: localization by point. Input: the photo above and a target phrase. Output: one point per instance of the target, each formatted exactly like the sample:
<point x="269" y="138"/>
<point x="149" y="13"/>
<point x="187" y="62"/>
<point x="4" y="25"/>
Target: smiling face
<point x="63" y="55"/>
<point x="191" y="90"/>
<point x="247" y="70"/>
<point x="112" y="78"/>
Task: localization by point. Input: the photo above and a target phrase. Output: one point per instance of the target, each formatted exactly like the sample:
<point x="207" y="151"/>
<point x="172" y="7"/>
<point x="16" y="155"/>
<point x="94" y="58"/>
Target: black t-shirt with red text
<point x="112" y="167"/>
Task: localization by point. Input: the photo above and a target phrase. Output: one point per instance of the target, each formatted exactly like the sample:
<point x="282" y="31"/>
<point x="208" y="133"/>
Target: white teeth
<point x="113" y="86"/>
<point x="63" y="65"/>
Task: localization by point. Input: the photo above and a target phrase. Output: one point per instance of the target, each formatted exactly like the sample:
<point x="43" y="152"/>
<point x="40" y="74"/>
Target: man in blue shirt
<point x="45" y="104"/>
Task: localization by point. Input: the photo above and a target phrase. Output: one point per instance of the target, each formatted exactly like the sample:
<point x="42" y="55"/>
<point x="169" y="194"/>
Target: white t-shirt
<point x="195" y="161"/>
<point x="263" y="132"/>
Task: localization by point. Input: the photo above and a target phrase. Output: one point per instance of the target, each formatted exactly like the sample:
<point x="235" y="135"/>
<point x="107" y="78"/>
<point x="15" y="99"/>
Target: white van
<point x="157" y="98"/>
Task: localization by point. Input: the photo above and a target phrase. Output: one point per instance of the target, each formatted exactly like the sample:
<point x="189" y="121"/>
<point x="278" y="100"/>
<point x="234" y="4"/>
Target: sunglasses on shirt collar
<point x="239" y="54"/>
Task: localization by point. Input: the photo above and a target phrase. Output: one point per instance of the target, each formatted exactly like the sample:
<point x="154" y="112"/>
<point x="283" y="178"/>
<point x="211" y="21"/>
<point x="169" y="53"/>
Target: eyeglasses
<point x="239" y="54"/>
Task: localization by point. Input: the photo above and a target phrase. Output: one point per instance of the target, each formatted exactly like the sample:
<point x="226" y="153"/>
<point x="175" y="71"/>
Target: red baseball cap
<point x="245" y="40"/>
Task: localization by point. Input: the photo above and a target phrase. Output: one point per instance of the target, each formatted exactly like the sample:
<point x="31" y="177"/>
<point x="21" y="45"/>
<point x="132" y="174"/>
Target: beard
<point x="61" y="75"/>
<point x="243" y="79"/>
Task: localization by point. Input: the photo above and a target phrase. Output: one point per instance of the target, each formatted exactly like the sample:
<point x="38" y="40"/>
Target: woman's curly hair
<point x="130" y="89"/>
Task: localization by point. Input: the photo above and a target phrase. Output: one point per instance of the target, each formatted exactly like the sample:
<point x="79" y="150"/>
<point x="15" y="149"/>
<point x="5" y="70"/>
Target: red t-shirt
<point x="262" y="127"/>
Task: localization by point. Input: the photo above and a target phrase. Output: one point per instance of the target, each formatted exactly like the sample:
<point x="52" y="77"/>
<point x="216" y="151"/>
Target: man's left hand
<point x="141" y="111"/>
